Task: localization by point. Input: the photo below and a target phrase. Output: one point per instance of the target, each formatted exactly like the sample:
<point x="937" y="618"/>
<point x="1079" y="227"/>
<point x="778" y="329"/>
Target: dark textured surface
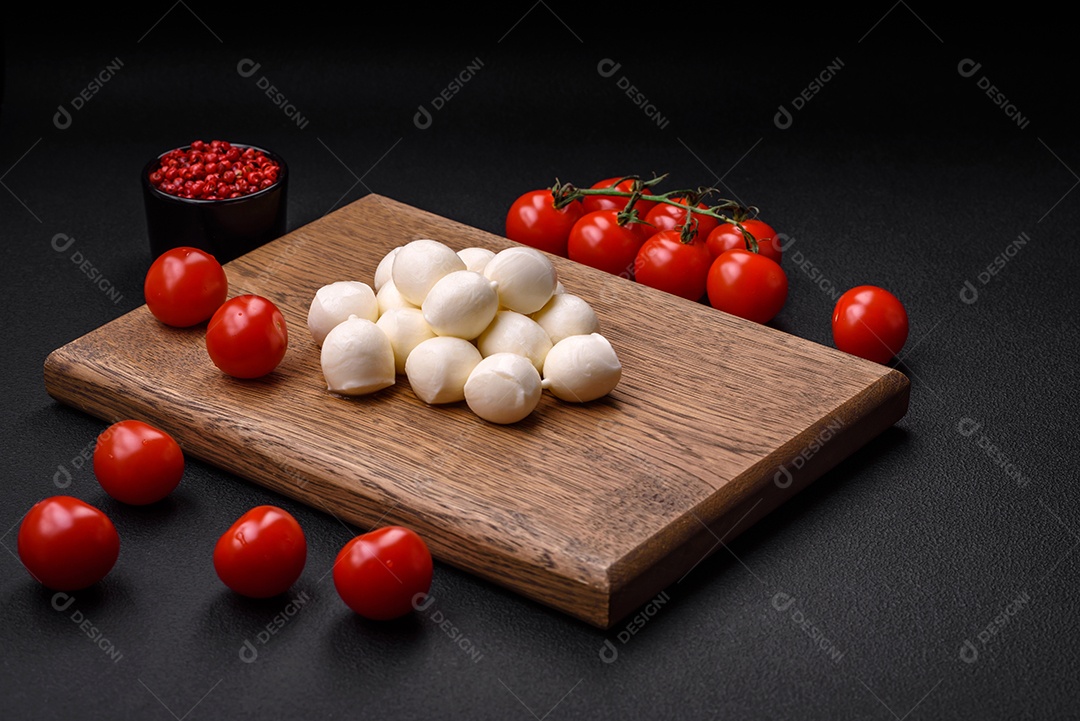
<point x="900" y="172"/>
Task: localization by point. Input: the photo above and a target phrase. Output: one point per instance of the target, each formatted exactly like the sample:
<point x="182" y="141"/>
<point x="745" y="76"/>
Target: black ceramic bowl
<point x="226" y="228"/>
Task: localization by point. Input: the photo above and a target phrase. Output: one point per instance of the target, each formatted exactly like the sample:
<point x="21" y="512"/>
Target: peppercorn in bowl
<point x="221" y="197"/>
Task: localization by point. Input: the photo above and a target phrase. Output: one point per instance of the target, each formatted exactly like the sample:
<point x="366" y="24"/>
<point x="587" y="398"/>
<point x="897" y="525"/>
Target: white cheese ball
<point x="582" y="368"/>
<point x="389" y="297"/>
<point x="503" y="388"/>
<point x="357" y="358"/>
<point x="566" y="315"/>
<point x="420" y="264"/>
<point x="526" y="278"/>
<point x="476" y="258"/>
<point x="512" y="332"/>
<point x="335" y="302"/>
<point x="462" y="304"/>
<point x="437" y="369"/>
<point x="406" y="329"/>
<point x="384" y="271"/>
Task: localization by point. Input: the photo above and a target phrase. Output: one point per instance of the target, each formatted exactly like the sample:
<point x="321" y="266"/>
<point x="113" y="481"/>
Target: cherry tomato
<point x="67" y="544"/>
<point x="667" y="263"/>
<point x="247" y="337"/>
<point x="604" y="202"/>
<point x="379" y="574"/>
<point x="870" y="322"/>
<point x="137" y="463"/>
<point x="670" y="217"/>
<point x="726" y="236"/>
<point x="262" y="554"/>
<point x="184" y="287"/>
<point x="534" y="221"/>
<point x="748" y="285"/>
<point x="597" y="240"/>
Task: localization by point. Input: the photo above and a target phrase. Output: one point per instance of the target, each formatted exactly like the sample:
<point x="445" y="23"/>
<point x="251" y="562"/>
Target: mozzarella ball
<point x="357" y="358"/>
<point x="420" y="264"/>
<point x="389" y="297"/>
<point x="566" y="315"/>
<point x="512" y="332"/>
<point x="476" y="258"/>
<point x="526" y="278"/>
<point x="406" y="329"/>
<point x="503" y="388"/>
<point x="582" y="368"/>
<point x="384" y="272"/>
<point x="334" y="303"/>
<point x="461" y="304"/>
<point x="437" y="368"/>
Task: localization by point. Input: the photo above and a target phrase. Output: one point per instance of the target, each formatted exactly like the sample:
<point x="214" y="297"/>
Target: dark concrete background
<point x="931" y="575"/>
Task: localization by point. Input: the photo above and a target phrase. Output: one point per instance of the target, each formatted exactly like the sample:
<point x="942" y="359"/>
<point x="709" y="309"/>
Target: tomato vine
<point x="724" y="210"/>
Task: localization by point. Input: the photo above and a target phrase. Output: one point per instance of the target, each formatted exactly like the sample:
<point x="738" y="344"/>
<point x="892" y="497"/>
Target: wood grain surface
<point x="592" y="509"/>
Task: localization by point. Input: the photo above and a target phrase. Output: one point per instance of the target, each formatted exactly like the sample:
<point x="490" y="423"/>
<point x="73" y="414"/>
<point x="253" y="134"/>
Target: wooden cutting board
<point x="591" y="509"/>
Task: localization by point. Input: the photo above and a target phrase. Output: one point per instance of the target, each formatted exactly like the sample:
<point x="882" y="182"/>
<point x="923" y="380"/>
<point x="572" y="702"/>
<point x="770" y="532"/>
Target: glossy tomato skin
<point x="137" y="463"/>
<point x="247" y="337"/>
<point x="747" y="284"/>
<point x="670" y="217"/>
<point x="726" y="236"/>
<point x="185" y="286"/>
<point x="382" y="574"/>
<point x="666" y="263"/>
<point x="534" y="221"/>
<point x="67" y="544"/>
<point x="262" y="554"/>
<point x="870" y="322"/>
<point x="597" y="240"/>
<point x="605" y="202"/>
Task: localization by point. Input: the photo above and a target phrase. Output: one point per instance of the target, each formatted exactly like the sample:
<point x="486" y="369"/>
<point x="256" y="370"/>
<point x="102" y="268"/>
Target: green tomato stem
<point x="566" y="193"/>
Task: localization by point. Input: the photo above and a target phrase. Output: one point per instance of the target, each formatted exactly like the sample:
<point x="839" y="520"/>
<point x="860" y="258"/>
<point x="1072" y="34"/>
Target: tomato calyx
<point x="689" y="229"/>
<point x="740" y="216"/>
<point x="748" y="237"/>
<point x="564" y="194"/>
<point x="630" y="214"/>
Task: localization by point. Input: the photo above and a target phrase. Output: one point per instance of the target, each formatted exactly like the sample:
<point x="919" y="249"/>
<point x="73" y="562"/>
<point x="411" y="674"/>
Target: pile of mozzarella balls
<point x="491" y="329"/>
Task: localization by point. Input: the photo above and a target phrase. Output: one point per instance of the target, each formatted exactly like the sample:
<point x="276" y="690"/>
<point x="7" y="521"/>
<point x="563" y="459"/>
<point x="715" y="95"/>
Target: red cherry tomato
<point x="667" y="263"/>
<point x="748" y="285"/>
<point x="262" y="554"/>
<point x="604" y="202"/>
<point x="247" y="337"/>
<point x="670" y="217"/>
<point x="380" y="574"/>
<point x="534" y="221"/>
<point x="726" y="236"/>
<point x="870" y="322"/>
<point x="67" y="544"/>
<point x="137" y="463"/>
<point x="597" y="240"/>
<point x="184" y="287"/>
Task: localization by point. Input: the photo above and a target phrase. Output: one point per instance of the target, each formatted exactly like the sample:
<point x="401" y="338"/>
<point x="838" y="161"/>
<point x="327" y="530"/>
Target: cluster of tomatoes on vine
<point x="68" y="544"/>
<point x="718" y="252"/>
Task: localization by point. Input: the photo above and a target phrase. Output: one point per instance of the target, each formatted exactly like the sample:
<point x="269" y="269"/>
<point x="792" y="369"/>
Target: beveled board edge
<point x="667" y="557"/>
